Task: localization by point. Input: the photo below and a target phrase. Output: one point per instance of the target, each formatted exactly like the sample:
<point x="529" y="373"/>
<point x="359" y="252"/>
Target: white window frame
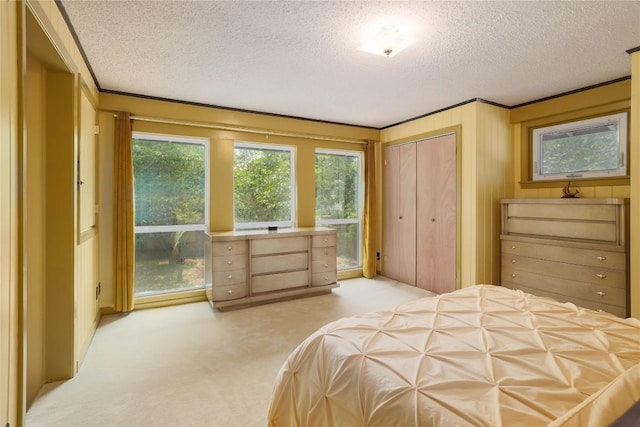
<point x="183" y="140"/>
<point x="620" y="119"/>
<point x="265" y="224"/>
<point x="358" y="220"/>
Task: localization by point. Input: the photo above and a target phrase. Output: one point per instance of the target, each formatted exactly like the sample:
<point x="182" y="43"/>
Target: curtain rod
<point x="258" y="131"/>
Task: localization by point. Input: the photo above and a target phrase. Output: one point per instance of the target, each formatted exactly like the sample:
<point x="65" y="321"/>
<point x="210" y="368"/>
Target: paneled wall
<point x="598" y="101"/>
<point x="485" y="178"/>
<point x="634" y="191"/>
<point x="10" y="404"/>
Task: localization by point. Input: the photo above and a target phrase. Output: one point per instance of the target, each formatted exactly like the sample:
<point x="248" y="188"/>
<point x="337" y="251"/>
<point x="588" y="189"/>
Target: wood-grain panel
<point x="436" y="211"/>
<point x="598" y="305"/>
<point x="229" y="292"/>
<point x="589" y="257"/>
<point x="400" y="213"/>
<point x="598" y="212"/>
<point x="279" y="263"/>
<point x="285" y="244"/>
<point x="323" y="241"/>
<point x="324" y="278"/>
<point x="229" y="248"/>
<point x="595" y="275"/>
<point x="592" y="231"/>
<point x="230" y="262"/>
<point x="581" y="256"/>
<point x="278" y="281"/>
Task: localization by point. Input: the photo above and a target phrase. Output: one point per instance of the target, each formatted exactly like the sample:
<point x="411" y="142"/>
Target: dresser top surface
<point x="266" y="234"/>
<point x="569" y="201"/>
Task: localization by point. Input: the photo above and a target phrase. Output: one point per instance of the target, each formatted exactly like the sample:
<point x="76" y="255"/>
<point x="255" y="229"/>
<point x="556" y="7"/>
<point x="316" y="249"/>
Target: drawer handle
<point x="229" y="247"/>
<point x="513" y="275"/>
<point x="513" y="261"/>
<point x="601" y="293"/>
<point x="600" y="310"/>
<point x="326" y="240"/>
<point x="229" y="262"/>
<point x="230" y="277"/>
<point x="601" y="276"/>
<point x="513" y="246"/>
<point x="229" y="291"/>
<point x="601" y="258"/>
<point x="326" y="265"/>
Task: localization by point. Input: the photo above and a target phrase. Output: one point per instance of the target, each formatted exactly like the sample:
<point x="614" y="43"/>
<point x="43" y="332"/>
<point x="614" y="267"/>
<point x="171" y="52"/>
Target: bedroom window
<point x="593" y="148"/>
<point x="339" y="201"/>
<point x="263" y="186"/>
<point x="170" y="187"/>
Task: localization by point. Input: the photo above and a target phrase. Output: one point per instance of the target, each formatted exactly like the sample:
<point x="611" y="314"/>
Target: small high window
<point x="592" y="148"/>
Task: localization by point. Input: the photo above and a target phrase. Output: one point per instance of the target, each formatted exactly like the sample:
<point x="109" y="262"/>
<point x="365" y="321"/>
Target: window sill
<point x="589" y="182"/>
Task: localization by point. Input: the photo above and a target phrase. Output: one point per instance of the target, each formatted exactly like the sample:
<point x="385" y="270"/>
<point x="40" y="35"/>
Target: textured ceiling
<point x="301" y="58"/>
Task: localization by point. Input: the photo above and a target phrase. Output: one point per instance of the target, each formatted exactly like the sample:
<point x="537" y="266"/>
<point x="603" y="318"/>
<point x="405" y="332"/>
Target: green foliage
<point x="262" y="185"/>
<point x="336" y="186"/>
<point x="169" y="182"/>
<point x="580" y="153"/>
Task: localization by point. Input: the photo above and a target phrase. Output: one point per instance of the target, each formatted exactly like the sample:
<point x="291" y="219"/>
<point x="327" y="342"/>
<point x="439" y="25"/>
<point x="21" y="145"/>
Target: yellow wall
<point x="190" y="120"/>
<point x="35" y="230"/>
<point x="602" y="100"/>
<point x="635" y="184"/>
<point x="485" y="178"/>
<point x="10" y="403"/>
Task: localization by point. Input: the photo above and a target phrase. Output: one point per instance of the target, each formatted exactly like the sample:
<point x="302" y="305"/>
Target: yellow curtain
<point x="123" y="212"/>
<point x="369" y="241"/>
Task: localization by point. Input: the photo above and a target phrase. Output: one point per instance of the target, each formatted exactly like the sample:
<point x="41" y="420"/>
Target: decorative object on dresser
<point x="572" y="250"/>
<point x="255" y="267"/>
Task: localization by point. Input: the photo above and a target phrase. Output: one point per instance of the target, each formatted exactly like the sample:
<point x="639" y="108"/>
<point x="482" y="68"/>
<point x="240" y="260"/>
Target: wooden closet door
<point x="399" y="260"/>
<point x="436" y="214"/>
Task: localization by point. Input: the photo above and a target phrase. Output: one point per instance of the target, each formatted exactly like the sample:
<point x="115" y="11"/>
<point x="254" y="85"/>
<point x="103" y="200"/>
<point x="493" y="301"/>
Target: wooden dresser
<point x="572" y="250"/>
<point x="249" y="268"/>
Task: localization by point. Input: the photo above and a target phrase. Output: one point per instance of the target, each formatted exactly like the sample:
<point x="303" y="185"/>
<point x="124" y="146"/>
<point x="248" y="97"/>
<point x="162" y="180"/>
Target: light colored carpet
<point x="189" y="365"/>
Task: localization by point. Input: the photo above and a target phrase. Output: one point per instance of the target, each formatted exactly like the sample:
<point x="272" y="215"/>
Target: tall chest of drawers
<point x="572" y="250"/>
<point x="249" y="268"/>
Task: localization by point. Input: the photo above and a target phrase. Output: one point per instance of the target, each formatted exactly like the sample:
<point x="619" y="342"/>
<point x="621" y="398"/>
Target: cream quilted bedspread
<point x="480" y="356"/>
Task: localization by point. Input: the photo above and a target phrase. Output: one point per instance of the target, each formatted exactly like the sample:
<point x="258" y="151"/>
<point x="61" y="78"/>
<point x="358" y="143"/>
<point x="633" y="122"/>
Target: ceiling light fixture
<point x="387" y="42"/>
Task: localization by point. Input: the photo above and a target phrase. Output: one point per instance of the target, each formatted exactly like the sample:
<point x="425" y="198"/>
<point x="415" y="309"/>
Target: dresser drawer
<point x="617" y="310"/>
<point x="593" y="232"/>
<point x="571" y="289"/>
<point x="234" y="247"/>
<point x="591" y="257"/>
<point x="228" y="292"/>
<point x="279" y="263"/>
<point x="229" y="262"/>
<point x="280" y="245"/>
<point x="272" y="282"/>
<point x="322" y="266"/>
<point x="323" y="254"/>
<point x="595" y="275"/>
<point x="564" y="211"/>
<point x="225" y="278"/>
<point x="323" y="240"/>
<point x="325" y="278"/>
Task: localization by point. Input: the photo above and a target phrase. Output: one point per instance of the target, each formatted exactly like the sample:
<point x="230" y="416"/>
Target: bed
<point x="480" y="356"/>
